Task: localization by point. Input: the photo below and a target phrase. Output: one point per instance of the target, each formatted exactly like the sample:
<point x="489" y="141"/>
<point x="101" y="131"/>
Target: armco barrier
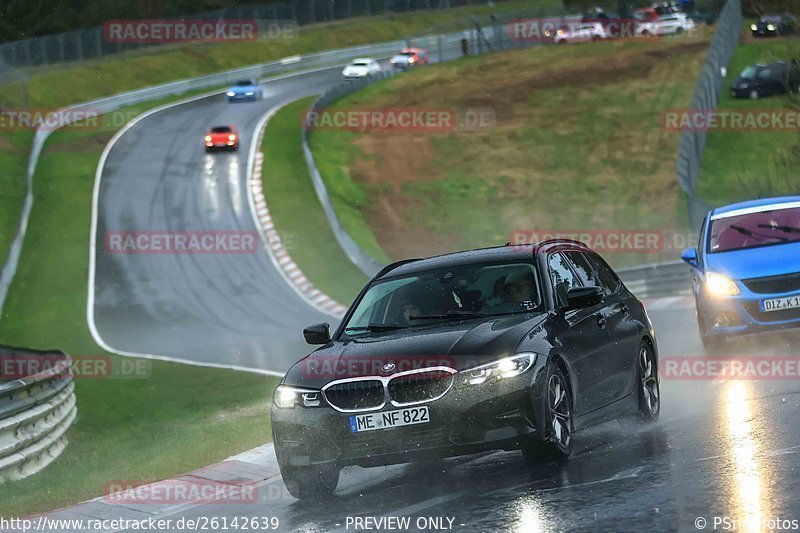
<point x="656" y="280"/>
<point x="35" y="413"/>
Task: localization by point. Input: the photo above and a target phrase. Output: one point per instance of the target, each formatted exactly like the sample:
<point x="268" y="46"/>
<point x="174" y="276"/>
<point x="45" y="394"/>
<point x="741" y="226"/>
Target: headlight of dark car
<point x="287" y="397"/>
<point x="501" y="369"/>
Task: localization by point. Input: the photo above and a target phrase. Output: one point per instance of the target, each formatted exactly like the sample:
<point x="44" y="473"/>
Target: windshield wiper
<point x="448" y="315"/>
<point x="785" y="229"/>
<point x="747" y="233"/>
<point x="375" y="327"/>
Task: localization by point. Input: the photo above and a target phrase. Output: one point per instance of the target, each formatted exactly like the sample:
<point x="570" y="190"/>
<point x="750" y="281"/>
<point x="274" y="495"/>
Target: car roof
<point x="753" y="205"/>
<point x="362" y="60"/>
<point x="508" y="252"/>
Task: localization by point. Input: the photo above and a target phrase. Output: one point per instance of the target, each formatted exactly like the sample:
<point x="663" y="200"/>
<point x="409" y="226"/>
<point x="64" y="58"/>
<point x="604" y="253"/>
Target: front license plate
<point x="779" y="304"/>
<point x="389" y="419"/>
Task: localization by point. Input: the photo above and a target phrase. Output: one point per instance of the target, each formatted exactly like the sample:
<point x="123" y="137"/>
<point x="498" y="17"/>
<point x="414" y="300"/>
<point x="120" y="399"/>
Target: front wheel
<point x="557" y="441"/>
<point x="754" y="95"/>
<point x="304" y="482"/>
<point x="649" y="389"/>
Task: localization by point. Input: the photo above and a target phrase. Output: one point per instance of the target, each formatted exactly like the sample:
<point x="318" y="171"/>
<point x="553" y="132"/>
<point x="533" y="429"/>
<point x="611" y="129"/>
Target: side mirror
<point x="580" y="297"/>
<point x="317" y="334"/>
<point x="689" y="256"/>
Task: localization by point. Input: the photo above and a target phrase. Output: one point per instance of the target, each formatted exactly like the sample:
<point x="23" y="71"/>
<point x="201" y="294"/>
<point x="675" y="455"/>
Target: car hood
<point x="355" y="69"/>
<point x="756" y="262"/>
<point x="457" y="345"/>
<point x="242" y="90"/>
<point x="400" y="58"/>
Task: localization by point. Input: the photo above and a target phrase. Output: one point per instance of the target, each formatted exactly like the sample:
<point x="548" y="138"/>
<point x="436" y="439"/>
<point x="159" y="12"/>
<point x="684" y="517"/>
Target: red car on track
<point x="409" y="57"/>
<point x="221" y="138"/>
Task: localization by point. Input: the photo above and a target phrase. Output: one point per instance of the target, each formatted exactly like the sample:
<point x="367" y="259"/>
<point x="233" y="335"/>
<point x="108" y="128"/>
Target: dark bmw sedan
<point x="515" y="347"/>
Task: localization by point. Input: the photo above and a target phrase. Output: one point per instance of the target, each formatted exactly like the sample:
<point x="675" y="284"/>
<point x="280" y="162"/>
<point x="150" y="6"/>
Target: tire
<point x="557" y="441"/>
<point x="648" y="391"/>
<point x="753" y="95"/>
<point x="311" y="482"/>
<point x="678" y="30"/>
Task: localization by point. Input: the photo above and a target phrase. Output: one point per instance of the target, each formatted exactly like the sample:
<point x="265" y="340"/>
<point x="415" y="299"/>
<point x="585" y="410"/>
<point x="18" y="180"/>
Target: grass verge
<point x="577" y="143"/>
<point x="14" y="151"/>
<point x="296" y="211"/>
<point x="738" y="165"/>
<point x="179" y="418"/>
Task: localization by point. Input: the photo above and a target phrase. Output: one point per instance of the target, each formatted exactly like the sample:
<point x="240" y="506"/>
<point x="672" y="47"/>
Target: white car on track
<point x="579" y="33"/>
<point x="672" y="24"/>
<point x="361" y="68"/>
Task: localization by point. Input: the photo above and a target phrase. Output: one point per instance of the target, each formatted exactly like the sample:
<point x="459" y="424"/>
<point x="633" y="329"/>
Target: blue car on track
<point x="746" y="269"/>
<point x="245" y="90"/>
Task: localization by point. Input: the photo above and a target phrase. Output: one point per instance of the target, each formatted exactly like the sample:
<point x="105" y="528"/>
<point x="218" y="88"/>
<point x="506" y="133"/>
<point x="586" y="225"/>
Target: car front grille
<point x="406" y="388"/>
<point x="771" y="316"/>
<point x="774" y="284"/>
<point x="356" y="395"/>
<point x="420" y="387"/>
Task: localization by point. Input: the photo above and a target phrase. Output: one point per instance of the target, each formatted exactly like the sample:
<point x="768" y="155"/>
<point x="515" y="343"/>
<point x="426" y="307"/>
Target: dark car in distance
<point x="757" y="81"/>
<point x="772" y="25"/>
<point x="505" y="348"/>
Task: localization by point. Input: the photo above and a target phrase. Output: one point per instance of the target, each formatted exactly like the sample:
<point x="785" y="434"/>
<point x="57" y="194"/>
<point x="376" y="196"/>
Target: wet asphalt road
<point x="721" y="449"/>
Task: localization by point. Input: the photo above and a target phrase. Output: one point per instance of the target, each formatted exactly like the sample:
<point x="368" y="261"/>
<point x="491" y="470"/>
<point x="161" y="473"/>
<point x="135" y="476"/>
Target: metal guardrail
<point x="704" y="99"/>
<point x="656" y="280"/>
<point x="35" y="412"/>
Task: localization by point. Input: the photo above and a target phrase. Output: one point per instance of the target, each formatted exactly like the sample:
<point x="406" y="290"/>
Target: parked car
<point x="646" y="14"/>
<point x="746" y="269"/>
<point x="248" y="89"/>
<point x="361" y="68"/>
<point x="593" y="31"/>
<point x="772" y="25"/>
<point x="409" y="57"/>
<point x="514" y="347"/>
<point x="221" y="138"/>
<point x="757" y="81"/>
<point x="672" y="24"/>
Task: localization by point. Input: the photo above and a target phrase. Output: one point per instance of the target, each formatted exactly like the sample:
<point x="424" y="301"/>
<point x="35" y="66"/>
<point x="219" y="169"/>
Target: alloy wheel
<point x="649" y="381"/>
<point x="560" y="415"/>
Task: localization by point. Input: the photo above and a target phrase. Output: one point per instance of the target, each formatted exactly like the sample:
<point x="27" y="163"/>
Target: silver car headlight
<point x="287" y="397"/>
<point x="501" y="369"/>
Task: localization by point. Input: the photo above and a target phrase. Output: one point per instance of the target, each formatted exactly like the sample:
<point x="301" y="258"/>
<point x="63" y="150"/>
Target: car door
<point x="584" y="341"/>
<point x="614" y="361"/>
<point x="625" y="330"/>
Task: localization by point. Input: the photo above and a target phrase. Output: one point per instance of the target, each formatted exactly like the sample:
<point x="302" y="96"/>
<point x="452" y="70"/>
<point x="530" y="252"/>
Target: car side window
<point x="562" y="277"/>
<point x="608" y="278"/>
<point x="585" y="272"/>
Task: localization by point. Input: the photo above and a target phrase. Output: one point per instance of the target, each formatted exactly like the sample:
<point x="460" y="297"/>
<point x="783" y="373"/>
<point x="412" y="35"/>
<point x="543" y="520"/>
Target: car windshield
<point x="221" y="129"/>
<point x="360" y="63"/>
<point x="749" y="73"/>
<point x="245" y="83"/>
<point x="459" y="292"/>
<point x="753" y="230"/>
